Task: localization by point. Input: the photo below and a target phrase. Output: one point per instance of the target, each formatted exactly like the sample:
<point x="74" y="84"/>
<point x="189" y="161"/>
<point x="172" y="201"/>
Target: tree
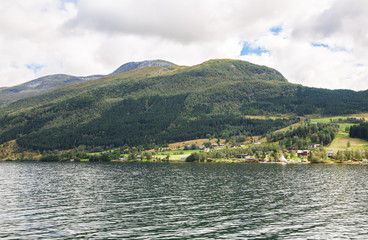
<point x="106" y="157"/>
<point x="207" y="144"/>
<point x="313" y="157"/>
<point x="292" y="154"/>
<point x="50" y="158"/>
<point x="348" y="155"/>
<point x="340" y="156"/>
<point x="275" y="155"/>
<point x="358" y="155"/>
<point x="193" y="157"/>
<point x="148" y="155"/>
<point x="132" y="156"/>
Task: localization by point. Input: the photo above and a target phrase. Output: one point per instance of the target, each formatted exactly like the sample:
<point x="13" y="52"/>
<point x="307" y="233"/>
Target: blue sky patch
<point x="334" y="49"/>
<point x="320" y="45"/>
<point x="276" y="30"/>
<point x="248" y="49"/>
<point x="35" y="67"/>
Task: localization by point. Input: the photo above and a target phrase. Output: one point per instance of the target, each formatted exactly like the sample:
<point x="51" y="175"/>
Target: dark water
<point x="182" y="201"/>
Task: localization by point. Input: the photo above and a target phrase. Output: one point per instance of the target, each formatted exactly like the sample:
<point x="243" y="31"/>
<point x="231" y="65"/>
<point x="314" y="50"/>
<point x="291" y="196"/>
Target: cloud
<point x="315" y="43"/>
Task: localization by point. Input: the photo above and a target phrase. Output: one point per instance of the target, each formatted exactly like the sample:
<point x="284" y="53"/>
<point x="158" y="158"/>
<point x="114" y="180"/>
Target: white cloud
<point x="90" y="36"/>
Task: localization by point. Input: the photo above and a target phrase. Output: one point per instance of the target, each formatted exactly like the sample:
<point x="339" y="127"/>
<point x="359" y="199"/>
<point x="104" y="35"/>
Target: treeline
<point x="351" y="154"/>
<point x="55" y="156"/>
<point x="359" y="131"/>
<point x="348" y="120"/>
<point x="231" y="153"/>
<point x="320" y="133"/>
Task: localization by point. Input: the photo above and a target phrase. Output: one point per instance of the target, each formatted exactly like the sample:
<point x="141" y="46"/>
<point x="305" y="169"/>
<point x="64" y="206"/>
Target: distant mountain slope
<point x="153" y="105"/>
<point x="53" y="82"/>
<point x="36" y="87"/>
<point x="137" y="65"/>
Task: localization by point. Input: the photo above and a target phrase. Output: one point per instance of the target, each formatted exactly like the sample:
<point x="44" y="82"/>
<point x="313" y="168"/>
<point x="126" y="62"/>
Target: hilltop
<point x="52" y="82"/>
<point x="156" y="105"/>
<point x="137" y="65"/>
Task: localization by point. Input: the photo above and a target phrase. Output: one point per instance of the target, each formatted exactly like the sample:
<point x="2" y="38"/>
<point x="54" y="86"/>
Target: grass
<point x="198" y="142"/>
<point x="175" y="155"/>
<point x="342" y="138"/>
<point x="340" y="142"/>
<point x="266" y="117"/>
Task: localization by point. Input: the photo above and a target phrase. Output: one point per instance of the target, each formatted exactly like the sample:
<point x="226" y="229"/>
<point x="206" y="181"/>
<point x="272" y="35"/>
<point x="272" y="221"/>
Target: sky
<point x="311" y="42"/>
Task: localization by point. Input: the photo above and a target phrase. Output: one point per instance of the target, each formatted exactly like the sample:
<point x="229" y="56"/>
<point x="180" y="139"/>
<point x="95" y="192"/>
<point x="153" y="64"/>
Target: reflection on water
<point x="179" y="201"/>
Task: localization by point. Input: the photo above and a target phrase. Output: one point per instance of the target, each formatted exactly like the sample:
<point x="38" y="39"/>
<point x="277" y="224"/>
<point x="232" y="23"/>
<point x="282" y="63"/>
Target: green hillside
<point x="153" y="106"/>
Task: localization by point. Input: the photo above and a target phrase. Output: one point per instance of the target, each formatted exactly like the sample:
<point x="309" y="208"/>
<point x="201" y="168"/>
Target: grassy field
<point x="341" y="143"/>
<point x="175" y="155"/>
<point x="266" y="117"/>
<point x="198" y="142"/>
<point x="342" y="138"/>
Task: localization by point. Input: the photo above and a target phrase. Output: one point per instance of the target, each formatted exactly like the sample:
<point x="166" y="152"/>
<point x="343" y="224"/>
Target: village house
<point x="292" y="148"/>
<point x="314" y="145"/>
<point x="303" y="153"/>
<point x="252" y="160"/>
<point x="331" y="154"/>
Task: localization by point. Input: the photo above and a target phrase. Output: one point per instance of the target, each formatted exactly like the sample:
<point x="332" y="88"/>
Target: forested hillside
<point x="152" y="106"/>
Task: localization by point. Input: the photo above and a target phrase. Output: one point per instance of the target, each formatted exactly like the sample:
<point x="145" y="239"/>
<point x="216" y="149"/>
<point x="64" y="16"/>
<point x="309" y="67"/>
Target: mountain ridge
<point x="152" y="106"/>
<point x="142" y="64"/>
<point x="52" y="82"/>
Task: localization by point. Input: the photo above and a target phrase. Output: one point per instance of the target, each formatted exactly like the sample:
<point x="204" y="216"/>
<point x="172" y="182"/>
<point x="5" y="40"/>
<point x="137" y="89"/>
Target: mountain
<point x="153" y="106"/>
<point x="137" y="65"/>
<point x="36" y="87"/>
<point x="52" y="82"/>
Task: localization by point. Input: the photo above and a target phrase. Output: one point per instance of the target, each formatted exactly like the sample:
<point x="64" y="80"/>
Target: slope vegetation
<point x="154" y="105"/>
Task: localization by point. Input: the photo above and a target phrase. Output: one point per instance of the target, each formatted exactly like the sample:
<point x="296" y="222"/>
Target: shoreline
<point x="350" y="162"/>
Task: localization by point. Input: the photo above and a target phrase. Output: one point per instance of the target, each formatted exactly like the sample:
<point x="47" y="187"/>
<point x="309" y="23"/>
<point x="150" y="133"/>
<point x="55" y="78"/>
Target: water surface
<point x="182" y="201"/>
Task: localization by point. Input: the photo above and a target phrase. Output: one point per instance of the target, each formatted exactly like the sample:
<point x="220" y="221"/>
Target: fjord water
<point x="182" y="201"/>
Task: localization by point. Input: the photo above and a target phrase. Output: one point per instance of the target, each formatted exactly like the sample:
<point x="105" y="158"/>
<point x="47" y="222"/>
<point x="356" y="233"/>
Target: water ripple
<point x="182" y="201"/>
